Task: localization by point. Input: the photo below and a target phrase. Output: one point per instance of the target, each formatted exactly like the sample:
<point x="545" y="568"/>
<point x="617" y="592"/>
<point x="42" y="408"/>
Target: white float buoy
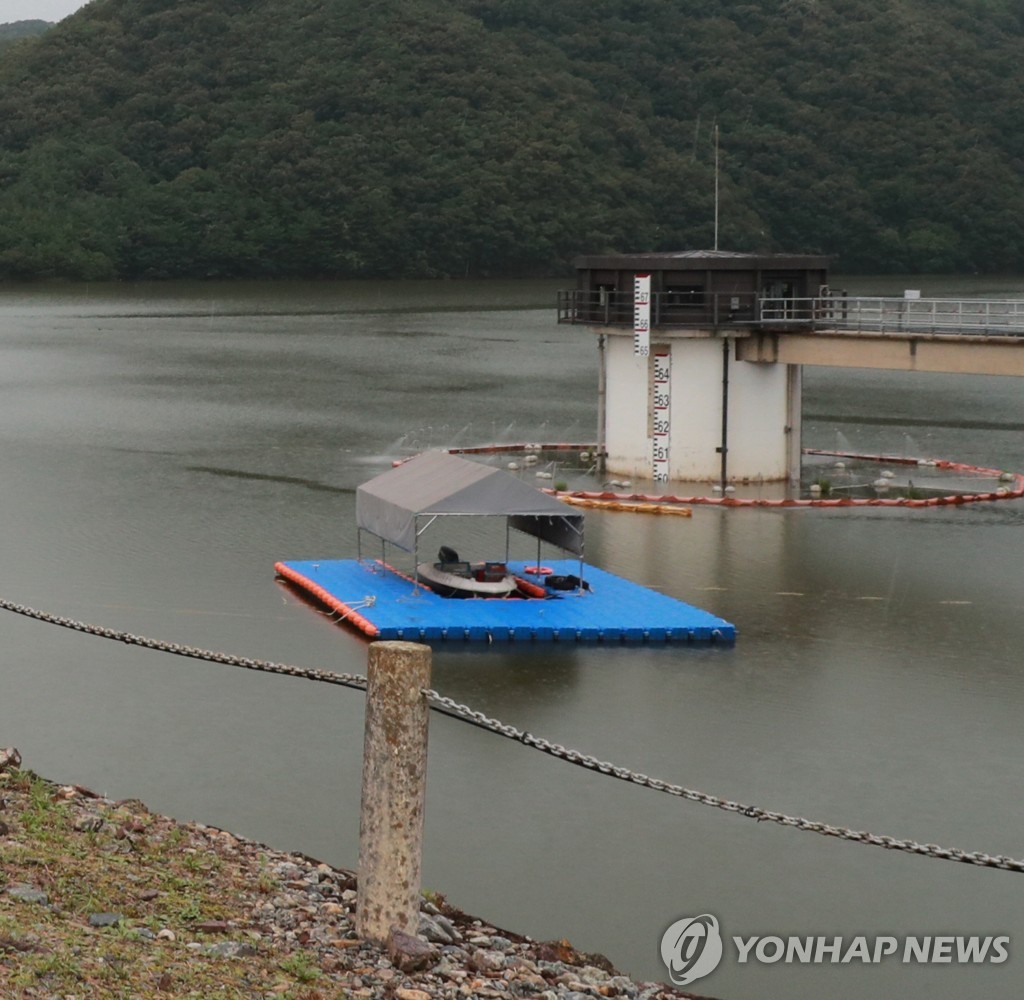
<point x="815" y="490"/>
<point x="881" y="484"/>
<point x="513" y="466"/>
<point x="888" y="475"/>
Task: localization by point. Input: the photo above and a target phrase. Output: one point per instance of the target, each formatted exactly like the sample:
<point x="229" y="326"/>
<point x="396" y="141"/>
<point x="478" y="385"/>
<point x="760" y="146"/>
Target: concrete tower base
<point x="692" y="386"/>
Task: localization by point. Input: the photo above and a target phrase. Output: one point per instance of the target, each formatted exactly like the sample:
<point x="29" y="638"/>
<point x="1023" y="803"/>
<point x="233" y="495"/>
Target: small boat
<point x="454" y="577"/>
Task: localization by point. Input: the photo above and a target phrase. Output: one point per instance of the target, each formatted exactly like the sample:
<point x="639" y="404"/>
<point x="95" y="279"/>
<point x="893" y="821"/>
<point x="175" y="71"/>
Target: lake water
<point x="164" y="445"/>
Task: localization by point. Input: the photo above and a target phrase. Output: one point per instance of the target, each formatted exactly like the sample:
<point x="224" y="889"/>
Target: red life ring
<point x="538" y="570"/>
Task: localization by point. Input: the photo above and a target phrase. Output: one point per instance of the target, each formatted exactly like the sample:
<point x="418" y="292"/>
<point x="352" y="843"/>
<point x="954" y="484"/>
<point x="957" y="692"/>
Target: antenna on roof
<point x="716" y="185"/>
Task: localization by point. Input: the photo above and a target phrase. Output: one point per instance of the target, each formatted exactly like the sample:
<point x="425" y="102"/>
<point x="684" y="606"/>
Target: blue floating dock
<point x="385" y="604"/>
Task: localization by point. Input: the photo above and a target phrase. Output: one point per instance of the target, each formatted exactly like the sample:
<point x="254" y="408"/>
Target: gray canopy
<point x="436" y="483"/>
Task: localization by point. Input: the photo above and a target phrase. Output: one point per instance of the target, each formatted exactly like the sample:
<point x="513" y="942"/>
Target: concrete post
<point x="394" y="786"/>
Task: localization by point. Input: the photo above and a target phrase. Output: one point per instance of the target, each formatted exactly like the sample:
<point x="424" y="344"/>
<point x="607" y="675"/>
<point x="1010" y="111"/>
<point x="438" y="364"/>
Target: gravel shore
<point x="105" y="898"/>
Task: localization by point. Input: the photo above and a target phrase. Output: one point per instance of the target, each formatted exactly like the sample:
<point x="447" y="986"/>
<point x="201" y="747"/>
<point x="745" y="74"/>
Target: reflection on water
<point x="165" y="445"/>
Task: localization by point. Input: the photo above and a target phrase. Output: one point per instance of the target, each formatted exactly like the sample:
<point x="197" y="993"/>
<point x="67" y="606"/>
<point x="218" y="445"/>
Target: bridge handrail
<point x="890" y="314"/>
<point x="854" y="313"/>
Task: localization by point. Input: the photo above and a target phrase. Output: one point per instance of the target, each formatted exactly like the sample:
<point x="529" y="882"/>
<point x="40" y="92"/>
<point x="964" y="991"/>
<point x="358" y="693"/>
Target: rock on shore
<point x="99" y="897"/>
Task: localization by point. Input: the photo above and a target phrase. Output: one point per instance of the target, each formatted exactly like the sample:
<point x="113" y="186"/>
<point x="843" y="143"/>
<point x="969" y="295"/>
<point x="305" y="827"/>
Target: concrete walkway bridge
<point x="966" y="336"/>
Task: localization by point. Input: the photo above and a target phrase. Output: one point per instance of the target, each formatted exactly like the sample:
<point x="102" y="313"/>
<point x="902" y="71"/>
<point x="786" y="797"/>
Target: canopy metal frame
<point x="401" y="505"/>
<point x="421" y="528"/>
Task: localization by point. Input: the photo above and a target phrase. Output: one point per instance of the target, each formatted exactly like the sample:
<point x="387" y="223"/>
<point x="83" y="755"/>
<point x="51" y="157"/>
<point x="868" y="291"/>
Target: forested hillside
<point x="452" y="137"/>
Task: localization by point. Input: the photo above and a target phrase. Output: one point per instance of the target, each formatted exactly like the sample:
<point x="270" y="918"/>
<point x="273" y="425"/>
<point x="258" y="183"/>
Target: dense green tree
<point x="457" y="137"/>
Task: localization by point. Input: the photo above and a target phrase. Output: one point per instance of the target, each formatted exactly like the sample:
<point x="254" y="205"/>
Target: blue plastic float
<point x="385" y="604"/>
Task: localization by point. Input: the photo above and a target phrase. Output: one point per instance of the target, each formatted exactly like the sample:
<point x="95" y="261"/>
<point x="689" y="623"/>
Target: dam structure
<point x="701" y="354"/>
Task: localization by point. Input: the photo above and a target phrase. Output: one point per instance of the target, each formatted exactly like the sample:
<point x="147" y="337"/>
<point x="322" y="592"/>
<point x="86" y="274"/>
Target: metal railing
<point x="859" y="314"/>
<point x="668" y="309"/>
<point x="969" y="317"/>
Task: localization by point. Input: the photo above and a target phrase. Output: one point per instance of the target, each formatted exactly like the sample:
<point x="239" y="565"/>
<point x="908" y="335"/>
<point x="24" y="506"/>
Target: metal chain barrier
<point x="450" y="707"/>
<point x="266" y="666"/>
